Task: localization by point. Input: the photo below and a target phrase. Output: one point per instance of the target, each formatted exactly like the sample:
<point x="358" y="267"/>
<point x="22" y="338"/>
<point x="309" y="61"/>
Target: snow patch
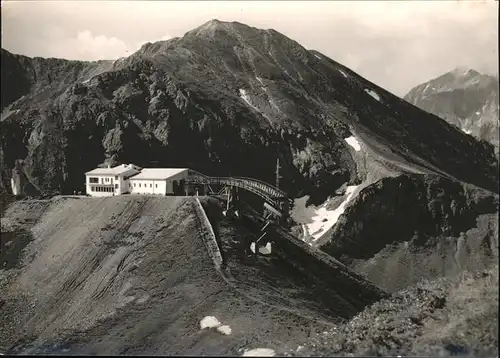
<point x="209" y="322"/>
<point x="373" y="94"/>
<point x="244" y="96"/>
<point x="259" y="352"/>
<point x="86" y="81"/>
<point x="466" y="131"/>
<point x="224" y="330"/>
<point x="318" y="57"/>
<point x="478" y="113"/>
<point x="16" y="190"/>
<point x="353" y="142"/>
<point x="324" y="219"/>
<point x="343" y="73"/>
<point x="263" y="86"/>
<point x="213" y="322"/>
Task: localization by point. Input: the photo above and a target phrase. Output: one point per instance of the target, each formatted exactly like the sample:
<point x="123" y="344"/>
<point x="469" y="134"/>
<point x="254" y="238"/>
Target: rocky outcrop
<point x="225" y="99"/>
<point x="396" y="209"/>
<point x="404" y="229"/>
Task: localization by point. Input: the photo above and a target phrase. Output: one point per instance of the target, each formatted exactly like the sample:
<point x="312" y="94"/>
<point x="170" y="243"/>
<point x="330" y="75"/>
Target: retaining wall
<point x="208" y="235"/>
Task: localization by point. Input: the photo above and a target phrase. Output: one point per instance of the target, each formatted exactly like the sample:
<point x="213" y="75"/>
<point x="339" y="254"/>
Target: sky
<point x="395" y="44"/>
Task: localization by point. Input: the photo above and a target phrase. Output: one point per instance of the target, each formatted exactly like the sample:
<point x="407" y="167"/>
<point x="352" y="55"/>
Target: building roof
<point x="157" y="173"/>
<point x="122" y="170"/>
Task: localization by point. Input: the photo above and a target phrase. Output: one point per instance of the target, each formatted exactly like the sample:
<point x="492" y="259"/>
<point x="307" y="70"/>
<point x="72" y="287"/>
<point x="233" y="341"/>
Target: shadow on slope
<point x="294" y="276"/>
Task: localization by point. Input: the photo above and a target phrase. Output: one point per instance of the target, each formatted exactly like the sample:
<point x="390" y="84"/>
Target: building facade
<point x="110" y="181"/>
<point x="159" y="181"/>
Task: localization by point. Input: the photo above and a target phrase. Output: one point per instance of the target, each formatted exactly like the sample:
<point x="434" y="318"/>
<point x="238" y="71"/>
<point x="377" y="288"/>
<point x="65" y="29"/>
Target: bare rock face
<point x="464" y="98"/>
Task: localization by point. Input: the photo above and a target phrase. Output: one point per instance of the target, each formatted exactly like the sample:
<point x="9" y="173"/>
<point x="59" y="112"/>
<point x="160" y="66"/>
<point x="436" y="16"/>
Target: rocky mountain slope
<point x="224" y="99"/>
<point x="439" y="318"/>
<point x="462" y="97"/>
<point x="411" y="197"/>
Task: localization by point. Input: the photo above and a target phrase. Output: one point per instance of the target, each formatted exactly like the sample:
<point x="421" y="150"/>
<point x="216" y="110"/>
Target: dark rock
<point x="416" y="320"/>
<point x="437" y="302"/>
<point x="456" y="349"/>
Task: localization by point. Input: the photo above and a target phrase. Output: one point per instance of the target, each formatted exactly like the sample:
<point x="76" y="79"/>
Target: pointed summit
<point x="210" y="28"/>
<point x="461" y="71"/>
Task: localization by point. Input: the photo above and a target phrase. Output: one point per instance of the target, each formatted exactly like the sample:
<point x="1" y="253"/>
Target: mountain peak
<point x="461" y="71"/>
<point x="209" y="28"/>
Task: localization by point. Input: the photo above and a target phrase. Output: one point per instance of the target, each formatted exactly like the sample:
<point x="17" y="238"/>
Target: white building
<point x="110" y="181"/>
<point x="159" y="181"/>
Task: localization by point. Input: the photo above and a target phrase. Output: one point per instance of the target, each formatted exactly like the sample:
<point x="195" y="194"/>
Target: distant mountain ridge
<point x="464" y="98"/>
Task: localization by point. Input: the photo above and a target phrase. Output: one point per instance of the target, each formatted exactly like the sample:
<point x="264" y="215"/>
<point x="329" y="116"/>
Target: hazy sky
<point x="396" y="44"/>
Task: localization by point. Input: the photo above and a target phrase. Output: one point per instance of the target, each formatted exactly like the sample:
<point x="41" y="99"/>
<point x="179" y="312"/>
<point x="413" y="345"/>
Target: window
<point x="156" y="185"/>
<point x="150" y="185"/>
<point x="134" y="185"/>
<point x="139" y="185"/>
<point x="116" y="186"/>
<point x="93" y="180"/>
<point x="116" y="177"/>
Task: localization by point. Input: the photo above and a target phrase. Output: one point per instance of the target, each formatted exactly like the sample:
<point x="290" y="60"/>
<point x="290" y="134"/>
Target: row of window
<point x="94" y="180"/>
<point x="145" y="185"/>
<point x="103" y="189"/>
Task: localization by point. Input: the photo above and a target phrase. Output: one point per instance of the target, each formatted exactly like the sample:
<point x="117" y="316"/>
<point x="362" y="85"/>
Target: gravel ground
<point x="125" y="275"/>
